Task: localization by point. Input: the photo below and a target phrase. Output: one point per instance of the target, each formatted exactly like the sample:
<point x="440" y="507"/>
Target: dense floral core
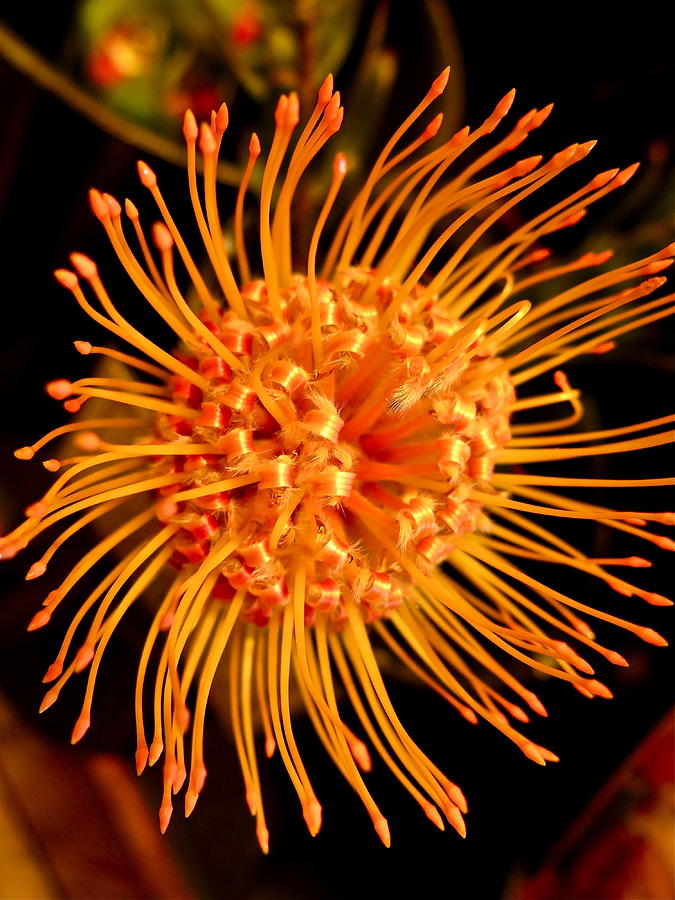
<point x="297" y="445"/>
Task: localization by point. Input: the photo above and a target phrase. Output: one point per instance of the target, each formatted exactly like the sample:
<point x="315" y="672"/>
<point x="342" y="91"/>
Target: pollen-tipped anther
<point x="616" y="658"/>
<point x="113" y="205"/>
<point x="84" y="656"/>
<point x="222" y="119"/>
<point x="382" y="828"/>
<point x="190" y="127"/>
<point x="49" y="698"/>
<point x="325" y="90"/>
<point x="161" y="237"/>
<point x="434" y="816"/>
<point x="98" y="205"/>
<point x="39" y="620"/>
<point x="191" y="797"/>
<point x="263" y="837"/>
<point x="439" y="84"/>
<point x="433" y="127"/>
<point x="598" y="689"/>
<point x="313" y="814"/>
<point x="455" y="818"/>
<point x="89" y="441"/>
<point x="36" y="570"/>
<point x="59" y="389"/>
<point x="36" y="510"/>
<point x="361" y="755"/>
<point x="146" y="175"/>
<point x="165" y="811"/>
<point x="53" y="672"/>
<point x="141" y="758"/>
<point x="84" y="266"/>
<point x="155" y="751"/>
<point x="650" y="636"/>
<point x="80" y="729"/>
<point x="183" y="717"/>
<point x="532" y="752"/>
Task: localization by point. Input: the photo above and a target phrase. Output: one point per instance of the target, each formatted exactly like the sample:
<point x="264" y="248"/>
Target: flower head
<point x="321" y="441"/>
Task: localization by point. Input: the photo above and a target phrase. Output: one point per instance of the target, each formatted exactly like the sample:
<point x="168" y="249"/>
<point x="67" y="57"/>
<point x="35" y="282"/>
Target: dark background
<point x="611" y="77"/>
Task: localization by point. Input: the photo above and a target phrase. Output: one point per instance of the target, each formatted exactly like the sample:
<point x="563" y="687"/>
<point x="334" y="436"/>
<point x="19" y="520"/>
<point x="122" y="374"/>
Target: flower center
<point x="401" y="421"/>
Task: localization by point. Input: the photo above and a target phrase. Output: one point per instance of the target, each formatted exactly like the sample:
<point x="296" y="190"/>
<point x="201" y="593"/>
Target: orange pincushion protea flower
<point x="319" y="443"/>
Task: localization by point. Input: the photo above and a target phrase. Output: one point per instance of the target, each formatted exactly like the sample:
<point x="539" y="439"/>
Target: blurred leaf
<point x="47" y="76"/>
<point x="129" y="47"/>
<point x="97" y="16"/>
<point x="274" y="45"/>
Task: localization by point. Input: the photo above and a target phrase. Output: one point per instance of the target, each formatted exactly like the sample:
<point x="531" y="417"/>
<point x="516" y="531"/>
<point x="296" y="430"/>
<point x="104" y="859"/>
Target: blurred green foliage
<point x="151" y="58"/>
